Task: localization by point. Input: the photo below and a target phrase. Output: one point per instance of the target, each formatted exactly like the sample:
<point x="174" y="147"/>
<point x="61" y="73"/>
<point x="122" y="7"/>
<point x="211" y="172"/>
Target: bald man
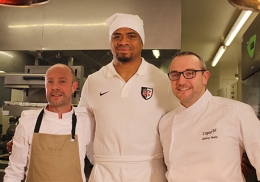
<point x="52" y="142"/>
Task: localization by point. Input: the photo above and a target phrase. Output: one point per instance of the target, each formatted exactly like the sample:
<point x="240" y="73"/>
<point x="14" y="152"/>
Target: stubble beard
<point x="123" y="59"/>
<point x="58" y="103"/>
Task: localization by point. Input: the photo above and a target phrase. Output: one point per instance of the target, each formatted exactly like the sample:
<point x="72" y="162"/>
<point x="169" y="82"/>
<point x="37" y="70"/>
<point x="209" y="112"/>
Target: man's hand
<point x="246" y="166"/>
<point x="9" y="146"/>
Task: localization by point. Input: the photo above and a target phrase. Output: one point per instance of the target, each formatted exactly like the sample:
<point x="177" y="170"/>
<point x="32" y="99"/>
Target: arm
<point x="84" y="92"/>
<point x="91" y="129"/>
<point x="250" y="137"/>
<point x="18" y="160"/>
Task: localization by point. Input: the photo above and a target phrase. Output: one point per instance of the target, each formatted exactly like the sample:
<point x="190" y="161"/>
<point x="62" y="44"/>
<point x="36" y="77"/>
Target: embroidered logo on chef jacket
<point x="146" y="92"/>
<point x="211" y="134"/>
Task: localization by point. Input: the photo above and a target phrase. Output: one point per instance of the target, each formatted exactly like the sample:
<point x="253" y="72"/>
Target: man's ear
<point x="74" y="86"/>
<point x="206" y="76"/>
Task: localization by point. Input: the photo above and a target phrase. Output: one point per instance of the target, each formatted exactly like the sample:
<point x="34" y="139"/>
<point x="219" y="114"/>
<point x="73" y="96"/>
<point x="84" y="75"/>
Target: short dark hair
<point x="202" y="62"/>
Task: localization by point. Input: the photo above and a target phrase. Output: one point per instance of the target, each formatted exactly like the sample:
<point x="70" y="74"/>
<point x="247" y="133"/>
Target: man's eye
<point x="189" y="73"/>
<point x="116" y="37"/>
<point x="175" y="74"/>
<point x="132" y="36"/>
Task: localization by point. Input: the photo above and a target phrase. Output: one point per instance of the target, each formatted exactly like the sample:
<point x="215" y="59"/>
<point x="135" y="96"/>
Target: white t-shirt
<point x="126" y="117"/>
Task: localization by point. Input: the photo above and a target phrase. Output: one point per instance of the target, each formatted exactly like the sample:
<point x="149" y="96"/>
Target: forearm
<point x="18" y="159"/>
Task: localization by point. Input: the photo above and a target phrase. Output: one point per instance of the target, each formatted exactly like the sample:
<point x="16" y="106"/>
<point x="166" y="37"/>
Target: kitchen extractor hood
<point x="79" y="25"/>
<point x="24" y="80"/>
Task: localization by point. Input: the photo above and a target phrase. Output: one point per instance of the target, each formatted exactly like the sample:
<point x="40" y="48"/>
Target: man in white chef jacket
<point x="127" y="98"/>
<point x="204" y="138"/>
<point x="52" y="142"/>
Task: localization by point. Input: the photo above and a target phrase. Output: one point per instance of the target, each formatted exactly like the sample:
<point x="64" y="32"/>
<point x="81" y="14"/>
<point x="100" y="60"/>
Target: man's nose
<point x="55" y="86"/>
<point x="123" y="41"/>
<point x="182" y="78"/>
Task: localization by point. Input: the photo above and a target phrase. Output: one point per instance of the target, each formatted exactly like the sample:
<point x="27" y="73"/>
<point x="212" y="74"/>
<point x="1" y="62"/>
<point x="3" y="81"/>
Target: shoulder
<point x="226" y="102"/>
<point x="31" y="113"/>
<point x="169" y="115"/>
<point x="82" y="112"/>
<point x="85" y="120"/>
<point x="229" y="103"/>
<point x="80" y="109"/>
<point x="166" y="119"/>
<point x="28" y="118"/>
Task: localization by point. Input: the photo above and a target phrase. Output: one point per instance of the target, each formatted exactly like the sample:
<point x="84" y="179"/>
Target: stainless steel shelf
<point x="16" y="110"/>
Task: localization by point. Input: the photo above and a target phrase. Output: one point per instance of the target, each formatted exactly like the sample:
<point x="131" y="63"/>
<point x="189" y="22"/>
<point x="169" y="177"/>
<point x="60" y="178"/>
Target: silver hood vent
<point x="23" y="80"/>
<point x="80" y="24"/>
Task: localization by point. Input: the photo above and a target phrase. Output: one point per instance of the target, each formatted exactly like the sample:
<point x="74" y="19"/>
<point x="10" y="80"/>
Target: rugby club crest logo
<point x="146" y="93"/>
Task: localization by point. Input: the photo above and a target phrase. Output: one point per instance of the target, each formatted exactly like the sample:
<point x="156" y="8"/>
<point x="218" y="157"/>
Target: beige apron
<point x="54" y="158"/>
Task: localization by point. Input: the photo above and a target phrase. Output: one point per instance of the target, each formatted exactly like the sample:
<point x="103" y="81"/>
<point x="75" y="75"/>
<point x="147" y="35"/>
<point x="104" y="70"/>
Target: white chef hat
<point x="119" y="20"/>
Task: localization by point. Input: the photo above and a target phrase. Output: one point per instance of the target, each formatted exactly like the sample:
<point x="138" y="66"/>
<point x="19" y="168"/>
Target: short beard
<point x="123" y="59"/>
<point x="58" y="104"/>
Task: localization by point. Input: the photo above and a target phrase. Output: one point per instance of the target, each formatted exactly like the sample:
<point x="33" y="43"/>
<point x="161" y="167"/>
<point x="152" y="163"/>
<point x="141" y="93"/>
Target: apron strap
<point x="74" y="122"/>
<point x="38" y="122"/>
<point x="73" y="128"/>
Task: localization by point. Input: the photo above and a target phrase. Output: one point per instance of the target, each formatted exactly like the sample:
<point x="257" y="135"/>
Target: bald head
<point x="64" y="68"/>
<point x="60" y="84"/>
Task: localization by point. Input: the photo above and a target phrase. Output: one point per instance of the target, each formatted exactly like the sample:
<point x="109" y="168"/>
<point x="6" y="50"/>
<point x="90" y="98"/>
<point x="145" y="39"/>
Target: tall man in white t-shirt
<point x="127" y="98"/>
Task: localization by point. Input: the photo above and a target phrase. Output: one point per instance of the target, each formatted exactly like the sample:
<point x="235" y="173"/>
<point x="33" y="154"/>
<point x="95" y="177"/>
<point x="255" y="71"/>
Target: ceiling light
<point x="156" y="53"/>
<point x="244" y="15"/>
<point x="1" y="52"/>
<point x="220" y="52"/>
<point x="58" y="55"/>
<point x="236" y="76"/>
<point x="2" y="73"/>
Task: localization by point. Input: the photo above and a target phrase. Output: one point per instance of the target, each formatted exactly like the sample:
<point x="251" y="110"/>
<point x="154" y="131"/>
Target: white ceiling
<point x="205" y="24"/>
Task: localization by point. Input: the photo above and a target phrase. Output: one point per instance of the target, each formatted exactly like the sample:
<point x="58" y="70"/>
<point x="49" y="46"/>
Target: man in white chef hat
<point x="127" y="98"/>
